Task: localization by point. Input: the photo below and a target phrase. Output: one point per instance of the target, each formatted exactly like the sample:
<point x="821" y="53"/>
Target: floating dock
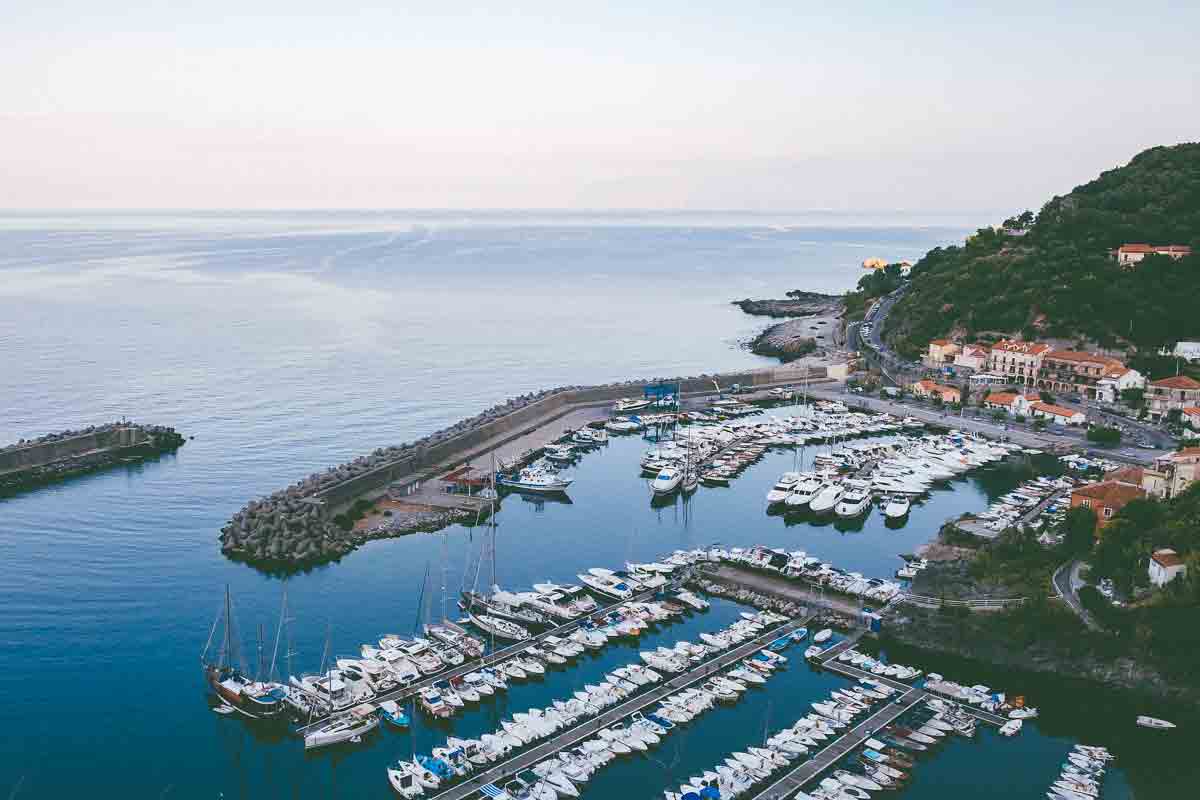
<point x="498" y="773"/>
<point x="489" y="659"/>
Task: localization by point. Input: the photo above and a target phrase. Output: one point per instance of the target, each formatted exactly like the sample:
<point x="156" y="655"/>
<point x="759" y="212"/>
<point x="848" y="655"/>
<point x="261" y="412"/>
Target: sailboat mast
<point x="225" y="655"/>
<point x="278" y="633"/>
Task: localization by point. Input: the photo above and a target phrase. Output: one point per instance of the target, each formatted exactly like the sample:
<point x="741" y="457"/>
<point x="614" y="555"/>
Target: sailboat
<point x="227" y="677"/>
<point x="691" y="475"/>
<point x="479" y="616"/>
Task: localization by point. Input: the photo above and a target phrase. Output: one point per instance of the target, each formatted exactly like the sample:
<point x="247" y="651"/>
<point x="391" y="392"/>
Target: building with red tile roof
<point x="1167" y="394"/>
<point x="1105" y="498"/>
<point x="1129" y="254"/>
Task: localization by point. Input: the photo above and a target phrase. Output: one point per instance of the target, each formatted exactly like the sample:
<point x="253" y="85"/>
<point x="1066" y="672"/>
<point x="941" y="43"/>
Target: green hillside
<point x="1058" y="280"/>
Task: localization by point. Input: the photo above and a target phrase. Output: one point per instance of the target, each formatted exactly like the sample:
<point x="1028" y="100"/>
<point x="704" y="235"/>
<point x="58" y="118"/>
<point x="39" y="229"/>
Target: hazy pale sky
<point x="680" y="105"/>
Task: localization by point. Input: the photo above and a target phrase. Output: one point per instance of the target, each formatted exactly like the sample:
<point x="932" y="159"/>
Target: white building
<point x="1187" y="350"/>
<point x="1116" y="380"/>
<point x="1166" y="566"/>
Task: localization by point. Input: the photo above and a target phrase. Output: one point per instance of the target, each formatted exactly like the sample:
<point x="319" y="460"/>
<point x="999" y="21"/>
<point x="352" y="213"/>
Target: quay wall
<point x="296" y="526"/>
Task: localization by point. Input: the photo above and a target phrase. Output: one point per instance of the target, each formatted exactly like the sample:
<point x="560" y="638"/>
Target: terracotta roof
<point x="1029" y="348"/>
<point x="940" y="342"/>
<point x="1186" y="454"/>
<point x="1058" y="411"/>
<point x="1091" y="358"/>
<point x="1117" y="371"/>
<point x="1130" y="475"/>
<point x="1192" y="410"/>
<point x="1176" y="382"/>
<point x="1001" y="398"/>
<point x="1112" y="494"/>
<point x="976" y="350"/>
<point x="1135" y="248"/>
<point x="1167" y="558"/>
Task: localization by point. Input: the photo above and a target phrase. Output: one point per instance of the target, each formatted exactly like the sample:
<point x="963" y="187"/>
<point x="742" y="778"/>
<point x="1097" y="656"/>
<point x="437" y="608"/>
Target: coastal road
<point x="1067" y="583"/>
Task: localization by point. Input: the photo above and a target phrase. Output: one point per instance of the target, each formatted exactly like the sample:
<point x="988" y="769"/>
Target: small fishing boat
<point x="392" y="714"/>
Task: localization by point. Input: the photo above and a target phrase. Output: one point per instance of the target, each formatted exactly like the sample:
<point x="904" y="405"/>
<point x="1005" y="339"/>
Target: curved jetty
<point x="313" y="520"/>
<point x="57" y="456"/>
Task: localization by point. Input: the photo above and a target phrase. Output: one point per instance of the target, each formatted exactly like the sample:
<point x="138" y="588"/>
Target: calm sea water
<point x="289" y="342"/>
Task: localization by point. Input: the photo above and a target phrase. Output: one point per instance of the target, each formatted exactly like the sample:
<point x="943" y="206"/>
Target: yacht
<point x="535" y="480"/>
<point x="855" y="501"/>
<point x="827" y="499"/>
<point x="804" y="491"/>
<point x="501" y="628"/>
<point x="627" y="404"/>
<point x="358" y="721"/>
<point x="783" y="488"/>
<point x="503" y="604"/>
<point x="897" y="506"/>
<point x="606" y="583"/>
<point x="667" y="481"/>
<point x="1155" y="723"/>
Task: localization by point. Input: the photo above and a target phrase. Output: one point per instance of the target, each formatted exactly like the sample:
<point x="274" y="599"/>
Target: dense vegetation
<point x="874" y="284"/>
<point x="1051" y="276"/>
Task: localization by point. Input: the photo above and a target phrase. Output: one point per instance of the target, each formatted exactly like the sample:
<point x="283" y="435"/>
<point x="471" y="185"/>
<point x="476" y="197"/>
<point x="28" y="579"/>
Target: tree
<point x="1133" y="398"/>
<point x="1174" y="416"/>
<point x="1046" y="396"/>
<point x="1100" y="434"/>
<point x="1039" y="424"/>
<point x="937" y="400"/>
<point x="998" y="415"/>
<point x="1078" y="529"/>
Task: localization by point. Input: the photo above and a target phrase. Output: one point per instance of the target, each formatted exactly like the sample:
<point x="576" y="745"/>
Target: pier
<point x="503" y="654"/>
<point x="909" y="698"/>
<point x="793" y="781"/>
<point x="497" y="773"/>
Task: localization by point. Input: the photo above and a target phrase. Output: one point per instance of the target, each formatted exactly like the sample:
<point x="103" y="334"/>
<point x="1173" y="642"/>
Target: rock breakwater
<point x="57" y="456"/>
<point x="302" y="525"/>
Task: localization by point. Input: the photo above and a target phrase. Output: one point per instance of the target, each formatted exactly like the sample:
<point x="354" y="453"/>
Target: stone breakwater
<point x="312" y="521"/>
<point x="56" y="456"/>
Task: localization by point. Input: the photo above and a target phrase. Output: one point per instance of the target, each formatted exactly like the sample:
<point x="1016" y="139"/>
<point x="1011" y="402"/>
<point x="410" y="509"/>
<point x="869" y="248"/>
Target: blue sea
<point x="288" y="342"/>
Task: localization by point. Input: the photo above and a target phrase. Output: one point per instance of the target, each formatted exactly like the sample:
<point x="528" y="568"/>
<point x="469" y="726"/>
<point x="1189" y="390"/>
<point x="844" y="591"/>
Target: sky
<point x="761" y="106"/>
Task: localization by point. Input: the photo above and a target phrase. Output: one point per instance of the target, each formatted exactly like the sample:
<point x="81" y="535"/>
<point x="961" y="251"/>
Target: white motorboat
<point x="1154" y="723"/>
<point x="403" y="780"/>
<point x="535" y="480"/>
<point x="667" y="481"/>
<point x="855" y="500"/>
<point x="822" y="635"/>
<point x="897" y="506"/>
<point x="352" y="725"/>
<point x="827" y="499"/>
<point x="608" y="584"/>
<point x="783" y="487"/>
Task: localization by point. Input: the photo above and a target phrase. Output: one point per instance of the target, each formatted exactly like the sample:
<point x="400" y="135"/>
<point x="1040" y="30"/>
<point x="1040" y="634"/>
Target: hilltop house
<point x="1166" y="566"/>
<point x="1129" y="254"/>
<point x="1105" y="498"/>
<point x="1189" y="351"/>
<point x="928" y="388"/>
<point x="1167" y="394"/>
<point x="1191" y="416"/>
<point x="1020" y="362"/>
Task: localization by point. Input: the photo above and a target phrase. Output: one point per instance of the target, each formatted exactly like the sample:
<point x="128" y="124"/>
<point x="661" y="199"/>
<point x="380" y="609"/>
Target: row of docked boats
<point x="811" y="569"/>
<point x="867" y="663"/>
<point x="563" y="774"/>
<point x="1008" y="510"/>
<point x="1081" y="776"/>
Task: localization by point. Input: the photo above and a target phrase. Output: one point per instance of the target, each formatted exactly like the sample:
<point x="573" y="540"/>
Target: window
<point x="1107" y="512"/>
<point x="1087" y="502"/>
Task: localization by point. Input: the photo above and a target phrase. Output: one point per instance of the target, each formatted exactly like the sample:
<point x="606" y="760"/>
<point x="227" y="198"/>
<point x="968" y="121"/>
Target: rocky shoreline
<point x="798" y="304"/>
<point x="813" y="321"/>
<point x="55" y="457"/>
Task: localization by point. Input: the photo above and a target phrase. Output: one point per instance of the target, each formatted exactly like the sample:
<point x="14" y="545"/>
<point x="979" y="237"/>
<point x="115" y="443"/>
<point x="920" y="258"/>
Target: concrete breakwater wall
<point x="295" y="526"/>
<point x="57" y="456"/>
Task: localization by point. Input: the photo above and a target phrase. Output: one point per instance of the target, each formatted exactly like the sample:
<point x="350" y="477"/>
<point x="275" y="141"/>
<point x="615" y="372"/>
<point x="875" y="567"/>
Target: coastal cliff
<point x="797" y="304"/>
